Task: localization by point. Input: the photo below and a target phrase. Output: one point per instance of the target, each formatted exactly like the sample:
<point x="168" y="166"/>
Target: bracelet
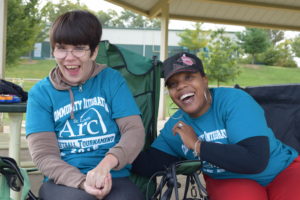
<point x="196" y="154"/>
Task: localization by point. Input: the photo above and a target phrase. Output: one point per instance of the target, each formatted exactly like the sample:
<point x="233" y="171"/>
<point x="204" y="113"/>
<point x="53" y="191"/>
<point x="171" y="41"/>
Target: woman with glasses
<point x="82" y="124"/>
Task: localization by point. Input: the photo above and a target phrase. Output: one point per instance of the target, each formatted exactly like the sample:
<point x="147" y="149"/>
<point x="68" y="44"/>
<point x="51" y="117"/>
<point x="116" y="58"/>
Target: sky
<point x="97" y="5"/>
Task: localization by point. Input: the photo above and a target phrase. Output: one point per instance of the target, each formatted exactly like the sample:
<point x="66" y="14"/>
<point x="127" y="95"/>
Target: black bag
<point x="7" y="87"/>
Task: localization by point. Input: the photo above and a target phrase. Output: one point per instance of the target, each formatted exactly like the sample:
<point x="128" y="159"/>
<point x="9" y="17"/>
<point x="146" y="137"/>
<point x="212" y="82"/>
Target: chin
<point x="74" y="80"/>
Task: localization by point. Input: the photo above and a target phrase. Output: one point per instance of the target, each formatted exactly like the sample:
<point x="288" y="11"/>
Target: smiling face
<point x="187" y="91"/>
<point x="75" y="69"/>
<point x="74" y="38"/>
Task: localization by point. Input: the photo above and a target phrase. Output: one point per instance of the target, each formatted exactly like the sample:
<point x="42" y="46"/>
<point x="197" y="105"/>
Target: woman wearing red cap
<point x="227" y="130"/>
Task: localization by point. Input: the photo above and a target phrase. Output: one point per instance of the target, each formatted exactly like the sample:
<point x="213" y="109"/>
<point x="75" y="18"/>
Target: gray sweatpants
<point x="122" y="189"/>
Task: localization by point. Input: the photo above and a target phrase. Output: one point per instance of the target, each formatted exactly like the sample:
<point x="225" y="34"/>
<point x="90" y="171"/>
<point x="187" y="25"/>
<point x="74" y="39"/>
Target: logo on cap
<point x="187" y="60"/>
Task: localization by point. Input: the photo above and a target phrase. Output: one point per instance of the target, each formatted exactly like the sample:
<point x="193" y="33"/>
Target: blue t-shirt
<point x="84" y="140"/>
<point x="233" y="116"/>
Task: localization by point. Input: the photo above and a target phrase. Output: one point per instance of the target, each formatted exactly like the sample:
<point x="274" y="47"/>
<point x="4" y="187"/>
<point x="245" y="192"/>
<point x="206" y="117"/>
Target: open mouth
<point x="73" y="70"/>
<point x="72" y="67"/>
<point x="187" y="98"/>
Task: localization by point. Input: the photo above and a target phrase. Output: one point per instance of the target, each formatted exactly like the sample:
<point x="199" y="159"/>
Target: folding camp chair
<point x="281" y="104"/>
<point x="143" y="78"/>
<point x="142" y="75"/>
<point x="15" y="178"/>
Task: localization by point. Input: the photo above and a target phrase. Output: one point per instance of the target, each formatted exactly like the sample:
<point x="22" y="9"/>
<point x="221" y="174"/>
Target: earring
<point x="205" y="96"/>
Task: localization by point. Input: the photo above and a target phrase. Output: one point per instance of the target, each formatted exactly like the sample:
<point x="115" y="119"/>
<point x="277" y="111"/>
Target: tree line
<point x="28" y="23"/>
<point x="222" y="55"/>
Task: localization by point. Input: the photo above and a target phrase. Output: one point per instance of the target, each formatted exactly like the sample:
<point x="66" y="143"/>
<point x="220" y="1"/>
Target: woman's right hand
<point x="186" y="133"/>
<point x="100" y="193"/>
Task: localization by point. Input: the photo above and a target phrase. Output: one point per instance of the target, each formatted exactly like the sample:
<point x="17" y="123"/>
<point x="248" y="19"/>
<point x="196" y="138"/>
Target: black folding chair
<point x="281" y="104"/>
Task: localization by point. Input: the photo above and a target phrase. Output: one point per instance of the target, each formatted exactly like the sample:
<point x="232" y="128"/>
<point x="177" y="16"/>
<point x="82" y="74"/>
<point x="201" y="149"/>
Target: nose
<point x="181" y="85"/>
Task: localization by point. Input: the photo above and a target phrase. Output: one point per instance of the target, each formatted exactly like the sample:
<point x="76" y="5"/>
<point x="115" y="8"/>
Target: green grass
<point x="29" y="69"/>
<point x="264" y="75"/>
<point x="251" y="75"/>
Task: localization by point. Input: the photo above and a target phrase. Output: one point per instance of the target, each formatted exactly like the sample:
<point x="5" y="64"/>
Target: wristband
<point x="196" y="154"/>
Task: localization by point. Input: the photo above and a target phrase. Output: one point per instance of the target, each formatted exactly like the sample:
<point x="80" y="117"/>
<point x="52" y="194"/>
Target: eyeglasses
<point x="62" y="53"/>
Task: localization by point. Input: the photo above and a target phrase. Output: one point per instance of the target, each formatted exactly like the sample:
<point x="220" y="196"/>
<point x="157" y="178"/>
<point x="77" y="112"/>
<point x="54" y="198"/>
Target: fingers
<point x="95" y="179"/>
<point x="107" y="186"/>
<point x="106" y="189"/>
<point x="100" y="193"/>
<point x="179" y="127"/>
<point x="186" y="133"/>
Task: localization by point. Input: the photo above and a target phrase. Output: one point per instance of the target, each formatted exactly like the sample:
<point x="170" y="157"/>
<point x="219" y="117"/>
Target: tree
<point x="194" y="39"/>
<point x="275" y="36"/>
<point x="23" y="28"/>
<point x="52" y="10"/>
<point x="109" y="18"/>
<point x="221" y="63"/>
<point x="126" y="19"/>
<point x="285" y="58"/>
<point x="254" y="41"/>
<point x="133" y="20"/>
<point x="296" y="46"/>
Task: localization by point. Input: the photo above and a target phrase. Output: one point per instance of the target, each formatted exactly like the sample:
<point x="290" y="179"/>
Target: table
<point x="15" y="113"/>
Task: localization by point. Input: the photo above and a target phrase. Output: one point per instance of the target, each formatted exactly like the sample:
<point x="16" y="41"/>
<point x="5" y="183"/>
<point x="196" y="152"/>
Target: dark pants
<point x="122" y="189"/>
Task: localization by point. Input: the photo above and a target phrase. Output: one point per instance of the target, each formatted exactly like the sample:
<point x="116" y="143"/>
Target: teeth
<point x="186" y="95"/>
<point x="72" y="67"/>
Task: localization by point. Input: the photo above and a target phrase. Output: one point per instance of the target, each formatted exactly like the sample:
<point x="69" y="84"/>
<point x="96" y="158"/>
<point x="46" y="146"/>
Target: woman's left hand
<point x="100" y="193"/>
<point x="96" y="177"/>
<point x="186" y="133"/>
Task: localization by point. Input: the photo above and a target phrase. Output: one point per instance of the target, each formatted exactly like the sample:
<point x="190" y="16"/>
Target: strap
<point x="16" y="178"/>
<point x="189" y="169"/>
<point x="5" y="193"/>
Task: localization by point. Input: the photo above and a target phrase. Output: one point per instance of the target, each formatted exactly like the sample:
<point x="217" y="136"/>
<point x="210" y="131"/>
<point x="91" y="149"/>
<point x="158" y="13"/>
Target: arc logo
<point x="90" y="123"/>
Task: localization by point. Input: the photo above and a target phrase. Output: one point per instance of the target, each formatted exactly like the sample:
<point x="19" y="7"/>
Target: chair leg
<point x="201" y="188"/>
<point x="5" y="193"/>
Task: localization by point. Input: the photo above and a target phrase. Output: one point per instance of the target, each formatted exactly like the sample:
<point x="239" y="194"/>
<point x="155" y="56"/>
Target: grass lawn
<point x="251" y="75"/>
<point x="29" y="69"/>
<point x="255" y="75"/>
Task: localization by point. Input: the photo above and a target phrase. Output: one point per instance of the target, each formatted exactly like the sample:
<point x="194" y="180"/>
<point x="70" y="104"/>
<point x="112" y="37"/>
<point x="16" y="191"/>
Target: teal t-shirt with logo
<point x="233" y="116"/>
<point x="84" y="140"/>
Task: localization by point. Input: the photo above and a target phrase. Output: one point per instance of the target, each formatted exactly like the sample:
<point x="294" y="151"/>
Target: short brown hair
<point x="76" y="27"/>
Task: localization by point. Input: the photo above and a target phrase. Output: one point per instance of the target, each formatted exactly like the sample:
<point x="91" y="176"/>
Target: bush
<point x="286" y="62"/>
<point x="270" y="57"/>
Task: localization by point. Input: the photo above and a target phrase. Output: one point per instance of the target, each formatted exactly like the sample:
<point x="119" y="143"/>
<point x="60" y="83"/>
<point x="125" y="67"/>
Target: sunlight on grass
<point x="251" y="75"/>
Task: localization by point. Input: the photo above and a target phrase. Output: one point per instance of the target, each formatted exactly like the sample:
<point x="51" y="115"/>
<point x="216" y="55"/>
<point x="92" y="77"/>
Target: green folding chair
<point x="14" y="178"/>
<point x="142" y="75"/>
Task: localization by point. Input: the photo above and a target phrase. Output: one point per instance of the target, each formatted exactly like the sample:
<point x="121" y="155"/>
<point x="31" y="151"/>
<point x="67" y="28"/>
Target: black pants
<point x="122" y="189"/>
